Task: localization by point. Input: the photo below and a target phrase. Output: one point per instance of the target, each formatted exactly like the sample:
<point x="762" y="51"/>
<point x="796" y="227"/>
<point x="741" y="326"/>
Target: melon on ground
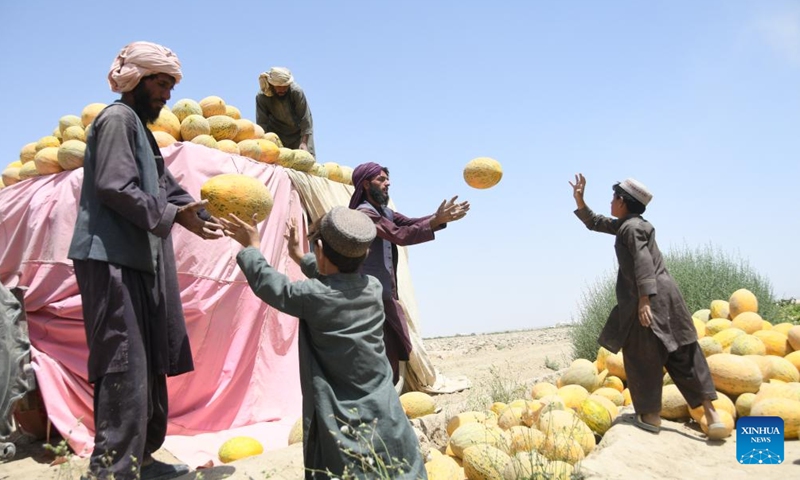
<point x="742" y="300"/>
<point x="734" y="375"/>
<point x="239" y="194"/>
<point x="416" y="404"/>
<point x="748" y="345"/>
<point x="719" y="309"/>
<point x="775" y="342"/>
<point x="716" y="325"/>
<point x="744" y="403"/>
<point x="484" y="461"/>
<point x="483" y="172"/>
<point x="722" y="403"/>
<point x="709" y="346"/>
<point x="793" y="336"/>
<point x="673" y="405"/>
<point x="239" y="447"/>
<point x="788" y="410"/>
<point x="726" y="418"/>
<point x="750" y="322"/>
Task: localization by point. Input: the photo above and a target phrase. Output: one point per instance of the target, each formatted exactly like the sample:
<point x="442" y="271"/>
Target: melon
<point x="567" y="424"/>
<point x="259" y="131"/>
<point x="443" y="467"/>
<point x="734" y="375"/>
<point x="794" y="359"/>
<point x="788" y="410"/>
<point x="483" y="172"/>
<point x="716" y="325"/>
<point x="347" y="175"/>
<point x="10" y="175"/>
<point x="726" y="419"/>
<point x="27" y="152"/>
<point x="583" y="374"/>
<point x="28" y="171"/>
<point x="270" y="152"/>
<point x="748" y="345"/>
<point x="415" y="404"/>
<point x="719" y="309"/>
<point x="750" y="322"/>
<point x="612" y="394"/>
<point x="742" y="300"/>
<point x="334" y="171"/>
<point x="472" y="416"/>
<point x="727" y="336"/>
<point x="781" y="369"/>
<point x="673" y="405"/>
<point x="239" y="447"/>
<point x="573" y="395"/>
<point x="613" y="408"/>
<point x="485" y="462"/>
<point x="703" y="314"/>
<point x="319" y="171"/>
<point x="89" y="113"/>
<point x="616" y="366"/>
<point x="475" y="433"/>
<point x="57" y="133"/>
<point x="709" y="346"/>
<point x="700" y="327"/>
<point x="205" y="140"/>
<point x="46" y="161"/>
<point x="272" y="137"/>
<point x="613" y="382"/>
<point x="228" y="146"/>
<point x="722" y="403"/>
<point x="511" y="416"/>
<point x="68" y="121"/>
<point x="185" y="107"/>
<point x="296" y="433"/>
<point x="245" y="130"/>
<point x="212" y="105"/>
<point x="595" y="415"/>
<point x="166" y="122"/>
<point x="74" y="132"/>
<point x="562" y="448"/>
<point x="70" y="154"/>
<point x="744" y="403"/>
<point x="47" y="141"/>
<point x="250" y="149"/>
<point x="239" y="194"/>
<point x="783" y="327"/>
<point x="193" y="126"/>
<point x="164" y="139"/>
<point x="793" y="336"/>
<point x="223" y="127"/>
<point x="775" y="342"/>
<point x="302" y="160"/>
<point x="233" y="112"/>
<point x="542" y="389"/>
<point x="285" y="157"/>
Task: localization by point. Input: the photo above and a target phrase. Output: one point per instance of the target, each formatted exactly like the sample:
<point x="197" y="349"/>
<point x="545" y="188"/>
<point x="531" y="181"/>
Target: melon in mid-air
<point x="238" y="194"/>
<point x="483" y="172"/>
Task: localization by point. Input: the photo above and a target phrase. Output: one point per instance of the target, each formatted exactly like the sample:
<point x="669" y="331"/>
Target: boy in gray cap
<point x="353" y="422"/>
<point x="651" y="323"/>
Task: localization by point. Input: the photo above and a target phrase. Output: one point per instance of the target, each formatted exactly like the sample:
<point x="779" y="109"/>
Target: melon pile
<point x="209" y="122"/>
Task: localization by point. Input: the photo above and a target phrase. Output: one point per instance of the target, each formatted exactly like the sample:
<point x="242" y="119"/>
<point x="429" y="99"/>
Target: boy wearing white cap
<point x="651" y="323"/>
<point x="351" y="411"/>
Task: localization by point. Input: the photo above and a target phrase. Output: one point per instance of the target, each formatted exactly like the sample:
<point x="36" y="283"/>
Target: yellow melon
<point x="228" y="146"/>
<point x="166" y="122"/>
<point x="239" y="447"/>
<point x="347" y="175"/>
<point x="285" y="157"/>
<point x="212" y="105"/>
<point x="74" y="132"/>
<point x="416" y="404"/>
<point x="483" y="172"/>
<point x="443" y="468"/>
<point x="185" y="107"/>
<point x="794" y="359"/>
<point x="781" y="369"/>
<point x="10" y="175"/>
<point x="742" y="300"/>
<point x="673" y="405"/>
<point x="205" y="140"/>
<point x="573" y="395"/>
<point x="700" y="327"/>
<point x="765" y="325"/>
<point x="524" y="439"/>
<point x="613" y="408"/>
<point x="319" y="171"/>
<point x="28" y="171"/>
<point x="302" y="160"/>
<point x="542" y="389"/>
<point x="733" y="374"/>
<point x="743" y="404"/>
<point x="727" y="336"/>
<point x="334" y="171"/>
<point x="89" y="113"/>
<point x="716" y="325"/>
<point x="47" y="141"/>
<point x="567" y="424"/>
<point x="46" y="161"/>
<point x="68" y="121"/>
<point x="233" y="112"/>
<point x="472" y="416"/>
<point x="788" y="410"/>
<point x="614" y="395"/>
<point x="250" y="149"/>
<point x="703" y="314"/>
<point x="70" y="154"/>
<point x="748" y="345"/>
<point x="223" y="127"/>
<point x="510" y="416"/>
<point x="722" y="403"/>
<point x="193" y="126"/>
<point x="270" y="153"/>
<point x="296" y="433"/>
<point x="245" y="130"/>
<point x="272" y="137"/>
<point x="581" y="373"/>
<point x="474" y="433"/>
<point x="626" y="394"/>
<point x="595" y="415"/>
<point x="613" y="382"/>
<point x="485" y="462"/>
<point x="783" y="327"/>
<point x="709" y="346"/>
<point x="616" y="366"/>
<point x="164" y="139"/>
<point x="562" y="448"/>
<point x="775" y="342"/>
<point x="259" y="132"/>
<point x="27" y="152"/>
<point x="793" y="337"/>
<point x="57" y="133"/>
<point x="726" y="418"/>
<point x="239" y="194"/>
<point x="750" y="322"/>
<point x="719" y="309"/>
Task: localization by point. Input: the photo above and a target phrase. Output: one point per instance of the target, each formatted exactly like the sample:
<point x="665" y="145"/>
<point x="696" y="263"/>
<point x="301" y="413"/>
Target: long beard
<point x="378" y="195"/>
<point x="143" y="105"/>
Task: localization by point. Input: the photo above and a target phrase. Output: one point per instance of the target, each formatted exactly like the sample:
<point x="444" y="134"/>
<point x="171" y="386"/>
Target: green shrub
<point x="703" y="274"/>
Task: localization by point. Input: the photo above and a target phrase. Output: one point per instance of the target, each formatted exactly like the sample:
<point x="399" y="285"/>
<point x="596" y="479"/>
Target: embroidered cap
<point x="349" y="232"/>
<point x="637" y="190"/>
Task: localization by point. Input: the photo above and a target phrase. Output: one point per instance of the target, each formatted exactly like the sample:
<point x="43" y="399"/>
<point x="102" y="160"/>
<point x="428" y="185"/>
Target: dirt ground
<point x="679" y="451"/>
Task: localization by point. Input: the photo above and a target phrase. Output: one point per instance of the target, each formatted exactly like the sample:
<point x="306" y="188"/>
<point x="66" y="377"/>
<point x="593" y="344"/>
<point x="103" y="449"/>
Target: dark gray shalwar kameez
<point x="125" y="267"/>
<point x="345" y="377"/>
<point x="671" y="340"/>
<point x="288" y="116"/>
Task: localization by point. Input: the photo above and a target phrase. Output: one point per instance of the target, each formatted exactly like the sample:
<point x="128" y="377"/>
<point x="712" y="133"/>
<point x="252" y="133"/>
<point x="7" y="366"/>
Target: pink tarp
<point x="246" y="378"/>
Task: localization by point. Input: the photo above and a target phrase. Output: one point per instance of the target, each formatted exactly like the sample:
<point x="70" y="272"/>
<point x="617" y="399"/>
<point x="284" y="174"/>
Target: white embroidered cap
<point x="637" y="190"/>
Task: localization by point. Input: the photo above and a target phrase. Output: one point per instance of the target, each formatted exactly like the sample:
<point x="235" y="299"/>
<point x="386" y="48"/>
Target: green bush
<point x="703" y="274"/>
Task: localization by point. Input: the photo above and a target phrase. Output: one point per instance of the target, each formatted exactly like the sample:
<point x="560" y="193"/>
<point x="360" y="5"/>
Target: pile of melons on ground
<point x="755" y="367"/>
<point x="209" y="122"/>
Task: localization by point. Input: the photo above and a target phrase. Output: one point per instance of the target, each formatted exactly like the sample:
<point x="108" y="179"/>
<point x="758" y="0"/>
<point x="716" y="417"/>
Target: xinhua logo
<point x="759" y="440"/>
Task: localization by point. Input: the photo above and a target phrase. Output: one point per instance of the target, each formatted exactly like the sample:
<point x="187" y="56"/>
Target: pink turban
<point x="140" y="59"/>
<point x="365" y="171"/>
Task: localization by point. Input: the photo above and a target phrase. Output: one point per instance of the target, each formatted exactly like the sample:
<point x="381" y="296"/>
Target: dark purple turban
<point x="365" y="171"/>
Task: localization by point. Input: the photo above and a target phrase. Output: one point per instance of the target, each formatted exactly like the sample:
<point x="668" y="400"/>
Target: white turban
<point x="277" y="76"/>
<point x="138" y="60"/>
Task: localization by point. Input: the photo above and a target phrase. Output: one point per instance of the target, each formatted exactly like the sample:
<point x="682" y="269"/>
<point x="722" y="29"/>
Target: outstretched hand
<point x="189" y="219"/>
<point x="241" y="231"/>
<point x="293" y="240"/>
<point x="449" y="211"/>
<point x="578" y="188"/>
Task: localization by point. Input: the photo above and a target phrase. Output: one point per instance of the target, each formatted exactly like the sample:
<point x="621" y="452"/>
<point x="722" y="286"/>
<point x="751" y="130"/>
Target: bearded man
<point x="281" y="108"/>
<point x="125" y="267"/>
<point x="371" y="196"/>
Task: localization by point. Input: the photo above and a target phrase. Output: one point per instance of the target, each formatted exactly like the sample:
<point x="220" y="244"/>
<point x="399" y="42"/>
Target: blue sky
<point x="698" y="100"/>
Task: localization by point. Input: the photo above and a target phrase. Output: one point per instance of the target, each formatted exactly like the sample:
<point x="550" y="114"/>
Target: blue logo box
<point x="759" y="440"/>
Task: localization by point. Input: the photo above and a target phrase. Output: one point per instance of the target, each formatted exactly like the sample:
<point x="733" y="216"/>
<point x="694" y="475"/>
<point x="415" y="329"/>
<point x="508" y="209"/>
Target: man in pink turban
<point x="125" y="267"/>
<point x="371" y="196"/>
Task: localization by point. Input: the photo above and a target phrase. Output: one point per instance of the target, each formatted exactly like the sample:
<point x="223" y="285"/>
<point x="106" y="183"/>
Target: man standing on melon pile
<point x="651" y="323"/>
<point x="371" y="196"/>
<point x="281" y="108"/>
<point x="125" y="267"/>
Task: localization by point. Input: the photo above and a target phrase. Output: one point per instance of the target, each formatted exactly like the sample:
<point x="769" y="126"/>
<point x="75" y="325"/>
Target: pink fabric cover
<point x="246" y="378"/>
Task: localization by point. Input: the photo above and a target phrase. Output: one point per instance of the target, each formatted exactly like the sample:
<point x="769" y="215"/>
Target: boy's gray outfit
<point x="349" y="401"/>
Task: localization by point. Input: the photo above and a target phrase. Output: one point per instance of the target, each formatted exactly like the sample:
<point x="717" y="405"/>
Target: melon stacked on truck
<point x="209" y="122"/>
